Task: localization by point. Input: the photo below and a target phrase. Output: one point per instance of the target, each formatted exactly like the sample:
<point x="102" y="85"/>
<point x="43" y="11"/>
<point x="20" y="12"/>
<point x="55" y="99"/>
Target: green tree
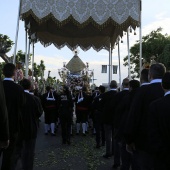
<point x="39" y="70"/>
<point x="154" y="44"/>
<point x="1" y="67"/>
<point x="5" y="47"/>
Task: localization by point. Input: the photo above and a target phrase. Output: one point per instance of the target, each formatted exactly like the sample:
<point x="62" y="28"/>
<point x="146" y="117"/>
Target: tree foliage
<point x="154" y="44"/>
<point x="5" y="44"/>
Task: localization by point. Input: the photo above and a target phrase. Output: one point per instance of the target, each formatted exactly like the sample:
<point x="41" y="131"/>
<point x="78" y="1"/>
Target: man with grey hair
<point x="107" y="117"/>
<point x="136" y="133"/>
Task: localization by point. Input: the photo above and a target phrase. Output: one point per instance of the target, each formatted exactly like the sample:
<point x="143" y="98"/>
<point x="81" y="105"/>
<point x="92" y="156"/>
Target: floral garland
<point x="75" y="81"/>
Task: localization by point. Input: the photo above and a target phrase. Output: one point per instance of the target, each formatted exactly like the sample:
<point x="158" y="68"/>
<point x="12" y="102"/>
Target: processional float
<point x="75" y="74"/>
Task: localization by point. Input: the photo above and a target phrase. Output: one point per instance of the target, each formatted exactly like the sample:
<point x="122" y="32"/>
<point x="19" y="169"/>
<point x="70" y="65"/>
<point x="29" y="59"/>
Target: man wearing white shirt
<point x="14" y="102"/>
<point x="159" y="127"/>
<point x="107" y="116"/>
<point x="136" y="133"/>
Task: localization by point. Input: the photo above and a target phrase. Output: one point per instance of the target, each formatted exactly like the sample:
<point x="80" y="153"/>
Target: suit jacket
<point x="122" y="112"/>
<point x="30" y="114"/>
<point x="4" y="129"/>
<point x="107" y="106"/>
<point x="159" y="126"/>
<point x="14" y="101"/>
<point x="119" y="105"/>
<point x="137" y="122"/>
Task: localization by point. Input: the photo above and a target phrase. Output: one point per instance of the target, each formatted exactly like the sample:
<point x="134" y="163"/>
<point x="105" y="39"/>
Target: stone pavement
<point x="51" y="154"/>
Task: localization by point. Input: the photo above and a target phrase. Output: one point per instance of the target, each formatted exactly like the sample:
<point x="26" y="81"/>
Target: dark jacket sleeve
<point x="133" y="119"/>
<point x="4" y="129"/>
<point x="39" y="106"/>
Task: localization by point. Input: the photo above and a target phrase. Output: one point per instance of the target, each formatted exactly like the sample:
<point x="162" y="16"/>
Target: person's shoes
<point x="53" y="134"/>
<point x="45" y="133"/>
<point x="84" y="134"/>
<point x="77" y="133"/>
<point x="107" y="156"/>
<point x="115" y="166"/>
<point x="103" y="144"/>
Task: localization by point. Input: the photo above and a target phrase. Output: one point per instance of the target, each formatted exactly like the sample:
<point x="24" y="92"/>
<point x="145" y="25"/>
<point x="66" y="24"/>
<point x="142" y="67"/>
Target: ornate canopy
<point x="84" y="23"/>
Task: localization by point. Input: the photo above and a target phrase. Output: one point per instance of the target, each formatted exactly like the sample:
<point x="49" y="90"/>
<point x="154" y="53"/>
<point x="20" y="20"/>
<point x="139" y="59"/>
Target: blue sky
<point x="154" y="14"/>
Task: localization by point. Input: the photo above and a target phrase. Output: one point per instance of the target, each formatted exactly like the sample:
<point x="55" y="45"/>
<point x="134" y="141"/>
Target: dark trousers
<point x="65" y="129"/>
<point x="100" y="133"/>
<point x="8" y="154"/>
<point x="24" y="153"/>
<point x="127" y="158"/>
<point x="109" y="136"/>
<point x="28" y="154"/>
<point x="116" y="152"/>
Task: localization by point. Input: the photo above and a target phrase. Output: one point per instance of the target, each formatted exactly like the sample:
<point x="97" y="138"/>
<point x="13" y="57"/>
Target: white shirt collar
<point x="156" y="81"/>
<point x="26" y="91"/>
<point x="168" y="92"/>
<point x="125" y="88"/>
<point x="114" y="89"/>
<point x="144" y="84"/>
<point x="9" y="79"/>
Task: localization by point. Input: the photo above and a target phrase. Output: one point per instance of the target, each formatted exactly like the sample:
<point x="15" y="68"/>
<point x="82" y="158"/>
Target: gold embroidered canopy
<point x="84" y="23"/>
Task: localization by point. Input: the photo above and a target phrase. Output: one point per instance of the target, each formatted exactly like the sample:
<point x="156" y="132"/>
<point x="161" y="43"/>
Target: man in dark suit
<point x="121" y="114"/>
<point x="107" y="116"/>
<point x="137" y="124"/>
<point x="4" y="129"/>
<point x="117" y="116"/>
<point x="14" y="102"/>
<point x="159" y="127"/>
<point x="28" y="134"/>
<point x="96" y="106"/>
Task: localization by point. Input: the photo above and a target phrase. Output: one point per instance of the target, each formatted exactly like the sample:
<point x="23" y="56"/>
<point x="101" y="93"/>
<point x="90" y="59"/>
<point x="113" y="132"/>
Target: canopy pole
<point x="119" y="65"/>
<point x="33" y="60"/>
<point x="26" y="44"/>
<point x="17" y="30"/>
<point x="93" y="77"/>
<point x="111" y="62"/>
<point x="109" y="68"/>
<point x="27" y="63"/>
<point x="129" y="75"/>
<point x="140" y="38"/>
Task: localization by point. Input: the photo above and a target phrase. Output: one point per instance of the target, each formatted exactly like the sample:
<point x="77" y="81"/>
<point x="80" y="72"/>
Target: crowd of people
<point x="131" y="122"/>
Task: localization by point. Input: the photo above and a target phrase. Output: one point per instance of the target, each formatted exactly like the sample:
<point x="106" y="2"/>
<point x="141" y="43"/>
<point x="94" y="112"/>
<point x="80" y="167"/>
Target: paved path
<point x="51" y="154"/>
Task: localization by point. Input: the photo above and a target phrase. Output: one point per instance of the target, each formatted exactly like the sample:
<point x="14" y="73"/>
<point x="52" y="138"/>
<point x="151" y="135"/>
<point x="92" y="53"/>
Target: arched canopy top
<point x="84" y="23"/>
